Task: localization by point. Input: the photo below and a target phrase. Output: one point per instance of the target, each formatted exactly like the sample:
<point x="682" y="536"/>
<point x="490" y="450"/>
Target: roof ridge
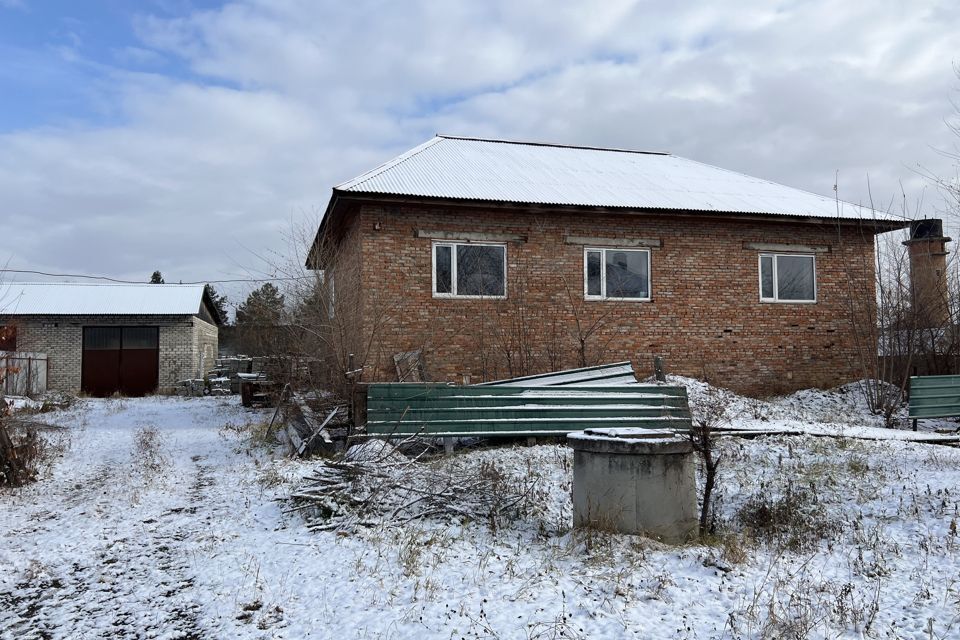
<point x="389" y="164"/>
<point x="553" y="144"/>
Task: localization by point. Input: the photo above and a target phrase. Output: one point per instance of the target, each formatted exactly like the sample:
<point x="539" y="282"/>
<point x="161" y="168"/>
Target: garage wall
<point x="207" y="340"/>
<point x="63" y="344"/>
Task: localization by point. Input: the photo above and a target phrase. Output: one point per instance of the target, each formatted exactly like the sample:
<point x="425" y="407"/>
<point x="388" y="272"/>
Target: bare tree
<point x="710" y="412"/>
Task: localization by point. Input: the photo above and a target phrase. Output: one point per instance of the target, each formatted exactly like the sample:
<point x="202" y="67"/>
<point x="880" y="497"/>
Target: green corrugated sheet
<point x="934" y="396"/>
<point x="443" y="410"/>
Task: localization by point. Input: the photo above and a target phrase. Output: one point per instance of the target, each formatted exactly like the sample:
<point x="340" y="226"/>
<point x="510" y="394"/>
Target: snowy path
<point x="107" y="545"/>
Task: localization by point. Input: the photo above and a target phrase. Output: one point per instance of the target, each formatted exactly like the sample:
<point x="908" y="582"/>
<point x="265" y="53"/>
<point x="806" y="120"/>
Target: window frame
<point x="453" y="244"/>
<point x="603" y="274"/>
<point x="774" y="255"/>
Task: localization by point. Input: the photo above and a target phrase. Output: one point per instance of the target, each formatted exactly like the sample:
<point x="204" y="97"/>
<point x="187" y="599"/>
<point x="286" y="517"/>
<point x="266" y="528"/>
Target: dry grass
<point x="147" y="452"/>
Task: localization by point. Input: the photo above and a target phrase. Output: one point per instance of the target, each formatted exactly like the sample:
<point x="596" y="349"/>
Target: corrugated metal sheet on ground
<point x="934" y="396"/>
<point x="618" y="373"/>
<point x="434" y="409"/>
<point x="69" y="298"/>
<point x="506" y="171"/>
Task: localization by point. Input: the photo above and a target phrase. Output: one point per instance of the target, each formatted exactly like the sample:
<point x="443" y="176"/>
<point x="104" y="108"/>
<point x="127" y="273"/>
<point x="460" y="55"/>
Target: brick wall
<point x="705" y="316"/>
<point x="206" y="341"/>
<point x="182" y="342"/>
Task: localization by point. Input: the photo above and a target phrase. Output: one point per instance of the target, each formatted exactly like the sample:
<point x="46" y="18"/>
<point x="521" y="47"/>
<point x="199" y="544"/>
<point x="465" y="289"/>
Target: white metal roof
<point x="69" y="298"/>
<point x="533" y="173"/>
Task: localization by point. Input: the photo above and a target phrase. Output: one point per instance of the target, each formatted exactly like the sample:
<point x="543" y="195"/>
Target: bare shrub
<point x="710" y="412"/>
<point x="28" y="450"/>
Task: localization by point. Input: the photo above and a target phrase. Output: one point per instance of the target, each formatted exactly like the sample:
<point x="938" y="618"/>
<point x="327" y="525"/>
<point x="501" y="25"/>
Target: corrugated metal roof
<point x="69" y="298"/>
<point x="616" y="374"/>
<point x="533" y="173"/>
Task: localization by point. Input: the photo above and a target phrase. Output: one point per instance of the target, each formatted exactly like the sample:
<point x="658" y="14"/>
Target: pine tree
<point x="264" y="306"/>
<point x="219" y="303"/>
<point x="156" y="278"/>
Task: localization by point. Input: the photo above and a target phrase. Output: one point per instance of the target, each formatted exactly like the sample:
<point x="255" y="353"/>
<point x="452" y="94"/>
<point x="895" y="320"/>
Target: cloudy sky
<point x="192" y="136"/>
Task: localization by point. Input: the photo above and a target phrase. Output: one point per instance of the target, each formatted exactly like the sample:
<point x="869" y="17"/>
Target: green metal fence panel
<point x="445" y="410"/>
<point x="934" y="396"/>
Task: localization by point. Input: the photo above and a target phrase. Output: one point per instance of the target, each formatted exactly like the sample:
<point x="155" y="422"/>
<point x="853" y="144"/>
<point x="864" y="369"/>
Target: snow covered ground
<point x="164" y="518"/>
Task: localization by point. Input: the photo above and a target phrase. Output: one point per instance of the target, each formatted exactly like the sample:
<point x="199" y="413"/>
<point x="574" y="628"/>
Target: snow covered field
<point x="163" y="519"/>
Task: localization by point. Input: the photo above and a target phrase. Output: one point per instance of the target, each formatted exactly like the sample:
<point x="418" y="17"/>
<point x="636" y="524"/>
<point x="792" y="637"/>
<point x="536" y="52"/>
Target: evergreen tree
<point x="219" y="303"/>
<point x="156" y="278"/>
<point x="264" y="306"/>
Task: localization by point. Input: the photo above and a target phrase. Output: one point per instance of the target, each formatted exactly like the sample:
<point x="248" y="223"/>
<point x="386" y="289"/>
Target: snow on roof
<point x="534" y="173"/>
<point x="70" y="298"/>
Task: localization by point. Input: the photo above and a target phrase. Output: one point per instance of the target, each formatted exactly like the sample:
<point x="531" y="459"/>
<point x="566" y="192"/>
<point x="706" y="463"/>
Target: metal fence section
<point x="934" y="397"/>
<point x="437" y="409"/>
<point x="23" y="373"/>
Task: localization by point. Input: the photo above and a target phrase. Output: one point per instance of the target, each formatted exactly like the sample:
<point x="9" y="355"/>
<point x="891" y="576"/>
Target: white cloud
<point x="302" y="95"/>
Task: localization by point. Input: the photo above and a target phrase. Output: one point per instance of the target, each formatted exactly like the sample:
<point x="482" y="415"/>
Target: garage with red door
<point x="113" y="339"/>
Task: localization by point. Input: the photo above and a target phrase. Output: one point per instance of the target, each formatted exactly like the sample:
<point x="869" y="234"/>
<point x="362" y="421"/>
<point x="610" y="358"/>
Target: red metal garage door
<point x="120" y="359"/>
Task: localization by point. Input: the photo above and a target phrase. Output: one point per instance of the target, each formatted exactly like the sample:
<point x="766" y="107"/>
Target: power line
<point x="80" y="275"/>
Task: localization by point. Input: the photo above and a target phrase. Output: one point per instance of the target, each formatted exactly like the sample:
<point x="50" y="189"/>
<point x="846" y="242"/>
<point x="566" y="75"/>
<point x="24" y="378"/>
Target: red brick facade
<point x="705" y="317"/>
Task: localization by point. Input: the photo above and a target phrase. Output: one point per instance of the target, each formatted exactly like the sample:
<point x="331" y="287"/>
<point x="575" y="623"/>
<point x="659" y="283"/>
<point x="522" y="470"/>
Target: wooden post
<point x="448" y="446"/>
<point x="658" y="372"/>
<point x="352" y="412"/>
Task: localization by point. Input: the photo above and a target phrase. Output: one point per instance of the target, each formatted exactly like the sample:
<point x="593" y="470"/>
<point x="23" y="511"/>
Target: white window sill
<point x="771" y="301"/>
<point x="451" y="296"/>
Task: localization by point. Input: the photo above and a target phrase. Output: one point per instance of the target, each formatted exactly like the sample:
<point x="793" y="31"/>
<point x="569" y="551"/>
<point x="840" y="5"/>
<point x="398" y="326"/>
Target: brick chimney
<point x="927" y="248"/>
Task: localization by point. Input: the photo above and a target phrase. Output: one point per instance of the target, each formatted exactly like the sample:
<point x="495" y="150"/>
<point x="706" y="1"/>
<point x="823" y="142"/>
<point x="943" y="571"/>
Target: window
<point x="787" y="278"/>
<point x="469" y="270"/>
<point x="616" y="274"/>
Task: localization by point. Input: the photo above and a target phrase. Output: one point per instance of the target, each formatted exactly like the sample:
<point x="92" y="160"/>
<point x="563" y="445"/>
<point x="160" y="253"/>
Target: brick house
<point x="106" y="338"/>
<point x="499" y="259"/>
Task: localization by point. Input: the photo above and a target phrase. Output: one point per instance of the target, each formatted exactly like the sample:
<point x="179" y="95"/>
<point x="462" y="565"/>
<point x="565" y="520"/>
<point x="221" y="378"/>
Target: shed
<point x="102" y="339"/>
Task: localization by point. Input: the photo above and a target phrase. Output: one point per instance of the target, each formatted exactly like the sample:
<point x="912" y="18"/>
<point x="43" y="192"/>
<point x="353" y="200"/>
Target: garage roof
<point x="451" y="167"/>
<point x="71" y="298"/>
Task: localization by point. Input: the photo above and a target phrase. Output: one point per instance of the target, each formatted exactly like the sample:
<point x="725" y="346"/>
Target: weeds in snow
<point x="148" y="452"/>
<point x="249" y="435"/>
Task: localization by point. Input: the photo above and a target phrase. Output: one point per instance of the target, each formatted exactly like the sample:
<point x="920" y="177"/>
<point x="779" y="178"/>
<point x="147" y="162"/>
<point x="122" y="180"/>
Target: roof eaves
<point x="880" y="219"/>
<point x="386" y="166"/>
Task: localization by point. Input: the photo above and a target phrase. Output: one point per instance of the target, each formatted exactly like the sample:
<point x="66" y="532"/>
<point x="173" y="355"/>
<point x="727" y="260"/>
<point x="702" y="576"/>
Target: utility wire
<point x="79" y="275"/>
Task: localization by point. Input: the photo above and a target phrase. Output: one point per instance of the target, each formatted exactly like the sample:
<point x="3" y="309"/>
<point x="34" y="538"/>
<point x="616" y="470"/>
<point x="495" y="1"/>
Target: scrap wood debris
<point x="375" y="484"/>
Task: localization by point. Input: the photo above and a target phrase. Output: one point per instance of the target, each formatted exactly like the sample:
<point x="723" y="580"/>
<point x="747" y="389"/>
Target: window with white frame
<point x="787" y="278"/>
<point x="616" y="274"/>
<point x="469" y="270"/>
